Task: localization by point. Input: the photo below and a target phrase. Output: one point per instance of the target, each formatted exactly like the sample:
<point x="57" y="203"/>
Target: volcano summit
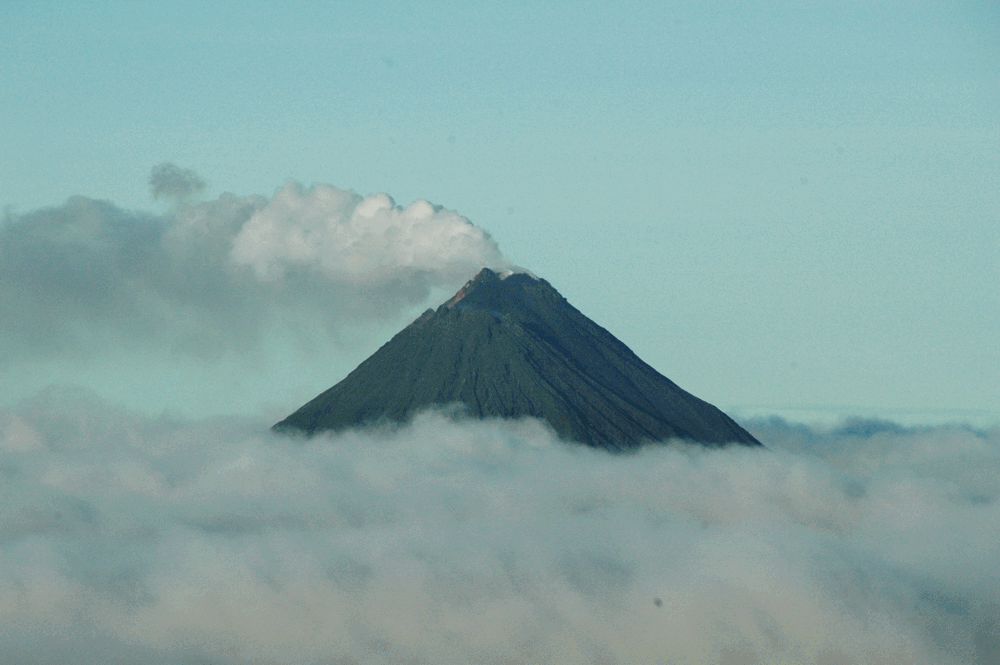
<point x="508" y="345"/>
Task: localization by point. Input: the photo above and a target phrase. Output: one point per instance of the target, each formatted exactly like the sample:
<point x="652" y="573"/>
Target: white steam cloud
<point x="87" y="276"/>
<point x="359" y="240"/>
<point x="125" y="539"/>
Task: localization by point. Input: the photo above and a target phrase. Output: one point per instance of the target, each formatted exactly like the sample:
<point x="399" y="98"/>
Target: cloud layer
<point x="129" y="539"/>
<point x="87" y="276"/>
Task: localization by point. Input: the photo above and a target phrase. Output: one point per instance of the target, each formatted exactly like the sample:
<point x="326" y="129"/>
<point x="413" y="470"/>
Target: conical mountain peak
<point x="508" y="345"/>
<point x="489" y="288"/>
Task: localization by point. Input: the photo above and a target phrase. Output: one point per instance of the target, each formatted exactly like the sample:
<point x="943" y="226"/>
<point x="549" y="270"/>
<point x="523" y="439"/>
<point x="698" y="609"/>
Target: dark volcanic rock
<point x="510" y="346"/>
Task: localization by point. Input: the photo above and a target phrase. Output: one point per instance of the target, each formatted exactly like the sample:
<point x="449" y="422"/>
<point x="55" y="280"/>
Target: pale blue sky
<point x="777" y="205"/>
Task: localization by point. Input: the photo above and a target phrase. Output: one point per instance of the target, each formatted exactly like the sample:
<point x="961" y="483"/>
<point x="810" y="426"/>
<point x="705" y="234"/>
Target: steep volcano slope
<point x="510" y="346"/>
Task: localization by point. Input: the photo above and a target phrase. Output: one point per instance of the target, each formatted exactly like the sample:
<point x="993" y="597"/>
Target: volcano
<point x="508" y="345"/>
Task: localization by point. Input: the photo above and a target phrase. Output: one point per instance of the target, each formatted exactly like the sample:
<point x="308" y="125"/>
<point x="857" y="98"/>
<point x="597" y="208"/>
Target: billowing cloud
<point x="172" y="183"/>
<point x="87" y="276"/>
<point x="129" y="539"/>
<point x="359" y="240"/>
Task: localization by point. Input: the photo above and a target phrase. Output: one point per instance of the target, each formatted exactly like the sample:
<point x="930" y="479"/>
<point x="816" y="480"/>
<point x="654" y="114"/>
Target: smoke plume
<point x="88" y="277"/>
<point x="172" y="183"/>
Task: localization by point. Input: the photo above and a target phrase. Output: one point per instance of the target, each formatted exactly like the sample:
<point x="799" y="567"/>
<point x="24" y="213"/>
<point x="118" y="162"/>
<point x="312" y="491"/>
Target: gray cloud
<point x="88" y="277"/>
<point x="131" y="539"/>
<point x="172" y="183"/>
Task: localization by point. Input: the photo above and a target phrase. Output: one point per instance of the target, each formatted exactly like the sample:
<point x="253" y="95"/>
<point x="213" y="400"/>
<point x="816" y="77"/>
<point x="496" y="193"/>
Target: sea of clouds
<point x="131" y="539"/>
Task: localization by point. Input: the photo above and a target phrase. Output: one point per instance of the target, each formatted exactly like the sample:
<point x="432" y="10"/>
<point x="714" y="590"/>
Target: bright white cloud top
<point x="347" y="238"/>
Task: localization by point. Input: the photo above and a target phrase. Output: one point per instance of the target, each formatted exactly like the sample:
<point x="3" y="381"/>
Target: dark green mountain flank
<point x="508" y="346"/>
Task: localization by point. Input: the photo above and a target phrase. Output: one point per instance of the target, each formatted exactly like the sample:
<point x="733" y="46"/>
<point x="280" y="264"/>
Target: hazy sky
<point x="790" y="205"/>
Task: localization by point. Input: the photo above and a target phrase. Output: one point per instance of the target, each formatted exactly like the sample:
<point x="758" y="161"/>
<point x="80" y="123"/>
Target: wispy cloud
<point x="125" y="539"/>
